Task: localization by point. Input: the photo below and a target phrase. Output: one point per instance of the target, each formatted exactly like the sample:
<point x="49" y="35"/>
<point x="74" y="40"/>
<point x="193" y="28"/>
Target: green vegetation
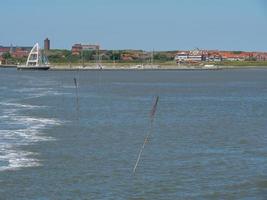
<point x="108" y="56"/>
<point x="7" y="56"/>
<point x="243" y="63"/>
<point x="237" y="52"/>
<point x="11" y="60"/>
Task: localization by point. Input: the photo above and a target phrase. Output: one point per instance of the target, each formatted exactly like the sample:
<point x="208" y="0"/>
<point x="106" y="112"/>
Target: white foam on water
<point x="31" y="89"/>
<point x="68" y="86"/>
<point x="17" y="105"/>
<point x="32" y="93"/>
<point x="18" y="159"/>
<point x="22" y="130"/>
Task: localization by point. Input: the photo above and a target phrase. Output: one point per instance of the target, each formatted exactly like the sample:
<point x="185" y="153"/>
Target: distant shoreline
<point x="156" y="67"/>
<point x="143" y="67"/>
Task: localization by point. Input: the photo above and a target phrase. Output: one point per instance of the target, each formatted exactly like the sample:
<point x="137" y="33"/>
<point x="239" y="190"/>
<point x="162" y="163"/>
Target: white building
<point x="181" y="57"/>
<point x="192" y="56"/>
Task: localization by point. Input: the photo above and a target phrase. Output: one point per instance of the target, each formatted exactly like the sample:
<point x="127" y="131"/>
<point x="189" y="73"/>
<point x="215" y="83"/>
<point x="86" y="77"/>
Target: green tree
<point x="66" y="53"/>
<point x="161" y="57"/>
<point x="6" y="56"/>
<point x="88" y="55"/>
<point x="237" y="52"/>
<point x="116" y="55"/>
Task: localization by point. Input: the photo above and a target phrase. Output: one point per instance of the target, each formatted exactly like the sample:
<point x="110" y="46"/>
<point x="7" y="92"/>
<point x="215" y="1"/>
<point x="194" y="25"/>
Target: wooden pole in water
<point x="77" y="97"/>
<point x="152" y="116"/>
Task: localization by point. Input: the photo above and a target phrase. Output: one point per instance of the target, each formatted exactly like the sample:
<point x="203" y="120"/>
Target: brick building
<point x="78" y="48"/>
<point x="47" y="44"/>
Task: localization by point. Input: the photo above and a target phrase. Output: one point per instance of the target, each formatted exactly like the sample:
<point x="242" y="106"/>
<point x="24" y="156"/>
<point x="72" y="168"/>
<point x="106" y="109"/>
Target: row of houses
<point x="22" y="52"/>
<point x="15" y="52"/>
<point x="194" y="56"/>
<point x="218" y="56"/>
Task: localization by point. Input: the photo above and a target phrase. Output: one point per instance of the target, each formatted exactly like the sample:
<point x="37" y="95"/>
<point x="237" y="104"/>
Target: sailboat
<point x="36" y="60"/>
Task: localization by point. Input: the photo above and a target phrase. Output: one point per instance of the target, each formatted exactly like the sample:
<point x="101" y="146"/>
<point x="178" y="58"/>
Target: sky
<point x="137" y="24"/>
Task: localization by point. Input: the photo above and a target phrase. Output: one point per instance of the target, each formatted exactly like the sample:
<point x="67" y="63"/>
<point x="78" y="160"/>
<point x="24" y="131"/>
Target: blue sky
<point x="137" y="24"/>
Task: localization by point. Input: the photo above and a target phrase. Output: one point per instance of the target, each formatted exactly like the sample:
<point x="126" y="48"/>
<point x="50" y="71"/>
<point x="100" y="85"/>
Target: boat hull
<point x="33" y="67"/>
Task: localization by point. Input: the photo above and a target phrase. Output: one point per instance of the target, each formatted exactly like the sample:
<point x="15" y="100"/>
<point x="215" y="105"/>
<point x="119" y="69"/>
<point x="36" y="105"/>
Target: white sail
<point x="35" y="57"/>
<point x="36" y="60"/>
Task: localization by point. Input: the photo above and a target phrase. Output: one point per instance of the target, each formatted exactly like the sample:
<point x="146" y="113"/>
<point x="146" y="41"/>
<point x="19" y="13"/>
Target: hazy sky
<point x="137" y="24"/>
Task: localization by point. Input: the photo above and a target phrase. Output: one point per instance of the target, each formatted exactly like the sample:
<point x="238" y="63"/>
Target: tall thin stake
<point x="152" y="116"/>
<point x="77" y="97"/>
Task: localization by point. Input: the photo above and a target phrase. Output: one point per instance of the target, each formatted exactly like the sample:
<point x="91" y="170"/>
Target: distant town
<point x="92" y="53"/>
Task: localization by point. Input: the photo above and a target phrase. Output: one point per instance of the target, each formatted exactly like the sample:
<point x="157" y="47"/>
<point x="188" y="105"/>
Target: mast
<point x="152" y="57"/>
<point x="83" y="58"/>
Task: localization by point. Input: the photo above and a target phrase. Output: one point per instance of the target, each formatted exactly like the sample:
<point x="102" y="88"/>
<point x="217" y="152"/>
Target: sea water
<point x="208" y="141"/>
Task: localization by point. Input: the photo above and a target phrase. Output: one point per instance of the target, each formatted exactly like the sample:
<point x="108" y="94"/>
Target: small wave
<point x="3" y="88"/>
<point x="18" y="105"/>
<point x="32" y="93"/>
<point x="28" y="90"/>
<point x="69" y="86"/>
<point x="21" y="130"/>
<point x="18" y="159"/>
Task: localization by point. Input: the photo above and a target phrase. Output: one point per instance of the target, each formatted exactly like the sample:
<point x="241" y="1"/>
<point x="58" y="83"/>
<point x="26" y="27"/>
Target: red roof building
<point x="78" y="48"/>
<point x="235" y="56"/>
<point x="260" y="56"/>
<point x="19" y="53"/>
<point x="4" y="49"/>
